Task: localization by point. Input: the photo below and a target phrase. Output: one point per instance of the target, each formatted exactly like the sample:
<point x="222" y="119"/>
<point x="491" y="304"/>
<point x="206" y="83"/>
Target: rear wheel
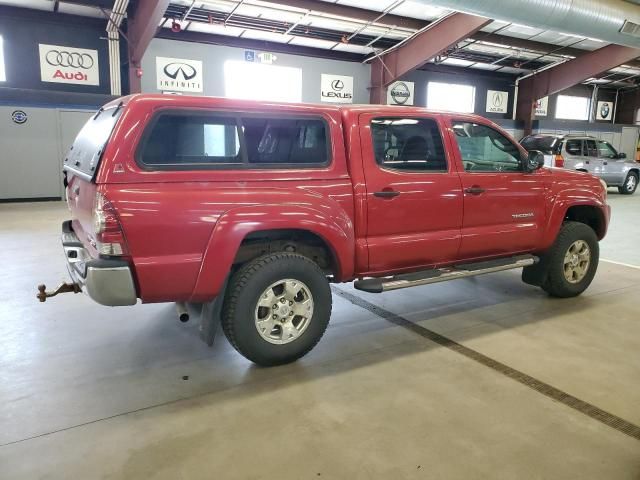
<point x="630" y="184"/>
<point x="277" y="308"/>
<point x="572" y="261"/>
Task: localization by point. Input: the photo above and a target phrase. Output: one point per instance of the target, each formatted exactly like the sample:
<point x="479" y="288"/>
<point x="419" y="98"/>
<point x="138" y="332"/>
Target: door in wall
<point x="629" y="142"/>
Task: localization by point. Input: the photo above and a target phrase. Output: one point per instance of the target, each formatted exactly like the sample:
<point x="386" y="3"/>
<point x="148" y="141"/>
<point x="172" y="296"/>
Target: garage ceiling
<point x="345" y="26"/>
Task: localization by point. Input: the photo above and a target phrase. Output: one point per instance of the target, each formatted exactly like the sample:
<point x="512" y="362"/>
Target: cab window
<point x="484" y="149"/>
<point x="412" y="144"/>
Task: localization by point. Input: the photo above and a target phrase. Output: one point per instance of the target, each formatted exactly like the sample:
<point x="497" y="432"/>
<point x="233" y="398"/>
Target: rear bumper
<point x="108" y="282"/>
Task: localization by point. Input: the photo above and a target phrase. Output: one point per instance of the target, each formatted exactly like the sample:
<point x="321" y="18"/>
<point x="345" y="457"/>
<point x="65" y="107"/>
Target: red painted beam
<point x="422" y="47"/>
<point x="568" y="74"/>
<point x="142" y="27"/>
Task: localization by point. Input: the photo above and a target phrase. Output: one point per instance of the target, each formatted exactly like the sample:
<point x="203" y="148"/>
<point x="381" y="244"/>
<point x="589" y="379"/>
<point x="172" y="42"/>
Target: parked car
<point x="587" y="154"/>
<point x="252" y="209"/>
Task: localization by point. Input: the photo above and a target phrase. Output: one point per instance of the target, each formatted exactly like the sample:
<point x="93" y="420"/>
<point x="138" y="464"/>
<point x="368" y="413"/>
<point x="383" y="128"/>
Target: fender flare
<point x="324" y="218"/>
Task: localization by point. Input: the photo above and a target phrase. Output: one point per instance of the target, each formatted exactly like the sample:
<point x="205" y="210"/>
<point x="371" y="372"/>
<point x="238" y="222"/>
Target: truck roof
<point x="205" y="101"/>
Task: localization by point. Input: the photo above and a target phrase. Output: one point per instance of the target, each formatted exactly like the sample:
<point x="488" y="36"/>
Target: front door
<point x="594" y="164"/>
<point x="504" y="206"/>
<point x="613" y="168"/>
<point x="413" y="192"/>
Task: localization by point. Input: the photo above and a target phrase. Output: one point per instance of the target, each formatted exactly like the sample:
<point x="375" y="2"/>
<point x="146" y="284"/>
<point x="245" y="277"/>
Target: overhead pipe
<point x="597" y="19"/>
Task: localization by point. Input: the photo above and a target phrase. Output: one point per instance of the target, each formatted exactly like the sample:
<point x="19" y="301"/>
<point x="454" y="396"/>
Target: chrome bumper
<point x="108" y="282"/>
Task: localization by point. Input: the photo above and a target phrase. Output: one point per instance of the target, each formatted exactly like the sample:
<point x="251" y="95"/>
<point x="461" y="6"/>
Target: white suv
<point x="587" y="154"/>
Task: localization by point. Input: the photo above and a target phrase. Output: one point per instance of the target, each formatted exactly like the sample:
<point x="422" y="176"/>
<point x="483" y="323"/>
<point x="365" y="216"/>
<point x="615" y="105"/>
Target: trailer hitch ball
<point x="42" y="294"/>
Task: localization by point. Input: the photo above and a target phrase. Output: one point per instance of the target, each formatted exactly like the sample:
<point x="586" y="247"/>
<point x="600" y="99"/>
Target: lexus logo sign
<point x="60" y="64"/>
<point x="497" y="101"/>
<point x="336" y="88"/>
<point x="178" y="75"/>
<point x="400" y="93"/>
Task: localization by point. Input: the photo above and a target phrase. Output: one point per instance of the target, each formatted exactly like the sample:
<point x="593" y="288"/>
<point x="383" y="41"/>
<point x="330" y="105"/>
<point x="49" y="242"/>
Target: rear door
<point x="594" y="164"/>
<point x="504" y="206"/>
<point x="575" y="158"/>
<point x="413" y="192"/>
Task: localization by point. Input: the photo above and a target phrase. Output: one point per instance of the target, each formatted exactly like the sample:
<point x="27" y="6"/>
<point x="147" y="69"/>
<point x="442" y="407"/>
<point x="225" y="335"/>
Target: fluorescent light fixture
<point x="259" y="81"/>
<point x="451" y="96"/>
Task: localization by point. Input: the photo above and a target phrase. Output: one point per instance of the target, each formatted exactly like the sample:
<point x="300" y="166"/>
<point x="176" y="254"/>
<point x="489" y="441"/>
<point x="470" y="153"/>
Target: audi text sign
<point x="60" y="64"/>
<point x="178" y="75"/>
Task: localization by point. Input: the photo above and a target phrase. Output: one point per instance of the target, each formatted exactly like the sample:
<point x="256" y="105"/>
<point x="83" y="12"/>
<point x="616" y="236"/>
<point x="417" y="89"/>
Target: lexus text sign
<point x="60" y="64"/>
<point x="400" y="93"/>
<point x="336" y="88"/>
<point x="497" y="101"/>
<point x="178" y="75"/>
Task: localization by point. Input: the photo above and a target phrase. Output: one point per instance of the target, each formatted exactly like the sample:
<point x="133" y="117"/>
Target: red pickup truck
<point x="252" y="209"/>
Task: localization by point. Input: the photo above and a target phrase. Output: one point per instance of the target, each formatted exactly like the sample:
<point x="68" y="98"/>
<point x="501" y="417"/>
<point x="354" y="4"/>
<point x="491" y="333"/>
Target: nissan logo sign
<point x="400" y="93"/>
<point x="186" y="71"/>
<point x="58" y="58"/>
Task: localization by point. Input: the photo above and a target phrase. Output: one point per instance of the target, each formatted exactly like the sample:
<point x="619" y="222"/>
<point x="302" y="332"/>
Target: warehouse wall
<point x="32" y="152"/>
<point x="214" y="57"/>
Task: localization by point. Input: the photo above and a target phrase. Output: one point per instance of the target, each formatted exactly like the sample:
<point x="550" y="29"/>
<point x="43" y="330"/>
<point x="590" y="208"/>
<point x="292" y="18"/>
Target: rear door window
<point x="591" y="150"/>
<point x="85" y="153"/>
<point x="411" y="144"/>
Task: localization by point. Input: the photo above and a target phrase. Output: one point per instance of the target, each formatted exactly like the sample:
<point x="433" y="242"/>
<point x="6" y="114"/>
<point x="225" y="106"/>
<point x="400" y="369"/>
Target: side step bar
<point x="426" y="277"/>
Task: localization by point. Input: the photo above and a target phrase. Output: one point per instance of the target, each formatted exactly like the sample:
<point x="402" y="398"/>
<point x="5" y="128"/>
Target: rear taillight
<point x="559" y="161"/>
<point x="106" y="225"/>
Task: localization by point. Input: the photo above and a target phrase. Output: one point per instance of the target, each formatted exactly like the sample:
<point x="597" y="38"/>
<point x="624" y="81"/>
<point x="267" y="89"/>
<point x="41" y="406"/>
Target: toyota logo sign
<point x="60" y="64"/>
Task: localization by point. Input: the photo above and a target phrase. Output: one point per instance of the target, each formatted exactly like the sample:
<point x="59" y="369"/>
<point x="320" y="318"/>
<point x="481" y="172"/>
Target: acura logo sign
<point x="57" y="58"/>
<point x="182" y="70"/>
<point x="497" y="99"/>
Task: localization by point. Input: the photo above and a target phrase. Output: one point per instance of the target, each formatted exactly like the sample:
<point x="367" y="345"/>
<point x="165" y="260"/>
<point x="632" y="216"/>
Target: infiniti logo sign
<point x="178" y="75"/>
<point x="184" y="70"/>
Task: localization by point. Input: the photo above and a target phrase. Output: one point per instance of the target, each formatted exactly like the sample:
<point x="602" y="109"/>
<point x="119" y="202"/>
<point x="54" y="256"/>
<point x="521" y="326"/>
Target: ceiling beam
<point x="568" y="74"/>
<point x="354" y="13"/>
<point x="419" y="49"/>
<point x="141" y="28"/>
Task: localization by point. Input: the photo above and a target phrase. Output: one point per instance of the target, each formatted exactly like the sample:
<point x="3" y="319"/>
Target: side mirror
<point x="622" y="156"/>
<point x="535" y="161"/>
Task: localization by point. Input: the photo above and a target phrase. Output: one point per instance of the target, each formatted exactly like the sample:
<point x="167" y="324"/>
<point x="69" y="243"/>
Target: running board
<point x="426" y="277"/>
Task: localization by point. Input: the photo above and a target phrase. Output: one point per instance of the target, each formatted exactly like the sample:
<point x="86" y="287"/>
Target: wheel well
<point x="635" y="170"/>
<point x="303" y="242"/>
<point x="582" y="170"/>
<point x="589" y="216"/>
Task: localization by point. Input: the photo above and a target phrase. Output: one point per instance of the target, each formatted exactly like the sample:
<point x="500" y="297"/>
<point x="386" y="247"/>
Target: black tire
<point x="244" y="292"/>
<point x="630" y="184"/>
<point x="556" y="283"/>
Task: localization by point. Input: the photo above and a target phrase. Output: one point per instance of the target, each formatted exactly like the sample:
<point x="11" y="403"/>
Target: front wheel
<point x="630" y="184"/>
<point x="277" y="308"/>
<point x="572" y="261"/>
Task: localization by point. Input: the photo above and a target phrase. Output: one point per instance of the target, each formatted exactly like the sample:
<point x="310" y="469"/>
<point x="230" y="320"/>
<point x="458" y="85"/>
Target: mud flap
<point x="536" y="274"/>
<point x="211" y="316"/>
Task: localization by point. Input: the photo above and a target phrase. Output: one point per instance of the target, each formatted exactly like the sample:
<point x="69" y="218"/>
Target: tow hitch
<point x="62" y="288"/>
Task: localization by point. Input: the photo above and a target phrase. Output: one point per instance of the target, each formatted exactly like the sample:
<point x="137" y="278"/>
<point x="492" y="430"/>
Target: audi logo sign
<point x="178" y="75"/>
<point x="60" y="64"/>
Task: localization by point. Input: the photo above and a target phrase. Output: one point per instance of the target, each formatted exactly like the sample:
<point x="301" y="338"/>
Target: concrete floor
<point x="93" y="392"/>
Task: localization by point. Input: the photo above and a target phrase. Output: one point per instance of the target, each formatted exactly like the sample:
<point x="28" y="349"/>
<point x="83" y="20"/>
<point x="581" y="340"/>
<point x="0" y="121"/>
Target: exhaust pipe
<point x="183" y="313"/>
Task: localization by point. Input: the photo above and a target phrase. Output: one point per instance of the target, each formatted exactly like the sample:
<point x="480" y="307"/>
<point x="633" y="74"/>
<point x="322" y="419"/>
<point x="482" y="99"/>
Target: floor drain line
<point x="539" y="386"/>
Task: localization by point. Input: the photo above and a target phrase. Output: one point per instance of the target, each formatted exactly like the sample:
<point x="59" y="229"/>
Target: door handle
<point x="605" y="163"/>
<point x="475" y="190"/>
<point x="386" y="194"/>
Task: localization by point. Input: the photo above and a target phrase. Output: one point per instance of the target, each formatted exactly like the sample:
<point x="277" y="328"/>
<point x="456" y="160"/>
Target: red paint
<point x="183" y="228"/>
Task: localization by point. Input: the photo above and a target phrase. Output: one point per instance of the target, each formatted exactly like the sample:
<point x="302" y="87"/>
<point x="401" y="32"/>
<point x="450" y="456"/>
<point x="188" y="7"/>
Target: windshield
<point x="546" y="144"/>
<point x="84" y="155"/>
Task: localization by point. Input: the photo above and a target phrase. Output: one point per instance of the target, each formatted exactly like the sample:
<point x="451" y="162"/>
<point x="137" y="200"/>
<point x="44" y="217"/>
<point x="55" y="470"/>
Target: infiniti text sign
<point x="178" y="75"/>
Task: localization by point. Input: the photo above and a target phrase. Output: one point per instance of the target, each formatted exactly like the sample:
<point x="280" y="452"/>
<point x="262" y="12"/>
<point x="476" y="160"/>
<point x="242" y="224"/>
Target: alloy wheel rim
<point x="577" y="261"/>
<point x="284" y="311"/>
<point x="631" y="183"/>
